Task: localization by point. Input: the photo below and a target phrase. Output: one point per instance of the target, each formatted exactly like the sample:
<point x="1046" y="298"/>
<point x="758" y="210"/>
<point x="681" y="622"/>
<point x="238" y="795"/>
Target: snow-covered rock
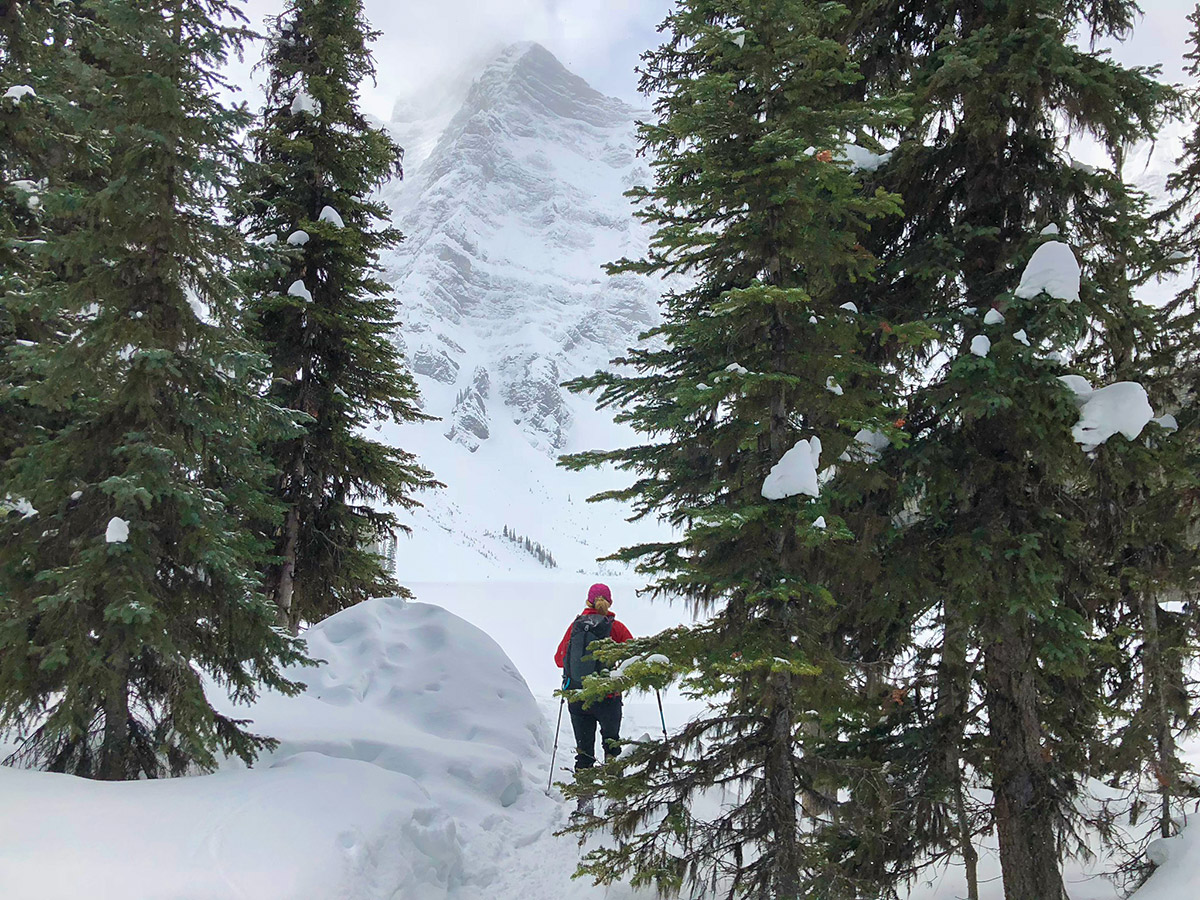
<point x="796" y="472"/>
<point x="1118" y="408"/>
<point x="1053" y="269"/>
<point x="469" y="420"/>
<point x="412" y="767"/>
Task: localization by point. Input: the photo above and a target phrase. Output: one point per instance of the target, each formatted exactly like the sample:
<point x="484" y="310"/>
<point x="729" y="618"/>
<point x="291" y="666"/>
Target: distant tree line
<point x="533" y="548"/>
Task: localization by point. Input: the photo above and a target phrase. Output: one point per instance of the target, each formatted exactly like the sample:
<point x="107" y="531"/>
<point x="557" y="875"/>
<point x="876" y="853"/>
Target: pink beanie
<point x="596" y="591"/>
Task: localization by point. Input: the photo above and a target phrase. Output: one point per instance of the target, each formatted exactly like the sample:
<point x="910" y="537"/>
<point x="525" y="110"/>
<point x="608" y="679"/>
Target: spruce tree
<point x="323" y="316"/>
<point x="1004" y="504"/>
<point x="761" y="414"/>
<point x="40" y="159"/>
<point x="132" y="586"/>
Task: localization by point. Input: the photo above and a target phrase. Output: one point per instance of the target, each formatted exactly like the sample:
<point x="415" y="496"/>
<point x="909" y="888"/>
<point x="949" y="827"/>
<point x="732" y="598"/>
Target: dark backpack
<point x="578" y="663"/>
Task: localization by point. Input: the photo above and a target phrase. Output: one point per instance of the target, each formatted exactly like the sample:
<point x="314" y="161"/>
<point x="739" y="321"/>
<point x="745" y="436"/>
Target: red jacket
<point x="620" y="634"/>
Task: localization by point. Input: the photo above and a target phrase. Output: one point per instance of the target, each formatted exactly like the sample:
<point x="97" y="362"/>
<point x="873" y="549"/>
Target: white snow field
<point x="413" y="768"/>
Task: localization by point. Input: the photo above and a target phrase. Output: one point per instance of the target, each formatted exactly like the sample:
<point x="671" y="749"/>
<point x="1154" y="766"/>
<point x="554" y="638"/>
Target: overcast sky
<point x="425" y="40"/>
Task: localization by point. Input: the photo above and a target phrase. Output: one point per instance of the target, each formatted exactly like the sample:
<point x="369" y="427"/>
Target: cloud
<point x="431" y="41"/>
<point x="425" y="42"/>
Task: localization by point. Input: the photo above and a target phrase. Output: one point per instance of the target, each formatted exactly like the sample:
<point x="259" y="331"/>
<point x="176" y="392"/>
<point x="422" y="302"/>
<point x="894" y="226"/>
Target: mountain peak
<point x="530" y="76"/>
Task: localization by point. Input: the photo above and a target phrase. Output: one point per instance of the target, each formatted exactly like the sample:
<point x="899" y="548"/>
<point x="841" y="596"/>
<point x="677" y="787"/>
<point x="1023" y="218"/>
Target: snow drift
<point x="404" y="771"/>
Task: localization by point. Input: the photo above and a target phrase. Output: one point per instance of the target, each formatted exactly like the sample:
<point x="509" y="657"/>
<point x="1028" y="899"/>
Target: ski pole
<point x="661" y="717"/>
<point x="554" y="752"/>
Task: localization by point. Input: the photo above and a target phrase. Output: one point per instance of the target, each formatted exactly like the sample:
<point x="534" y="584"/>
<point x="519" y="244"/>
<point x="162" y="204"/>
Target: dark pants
<point x="607" y="714"/>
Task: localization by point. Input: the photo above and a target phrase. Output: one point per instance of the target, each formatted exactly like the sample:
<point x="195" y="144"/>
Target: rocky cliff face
<point x="509" y="219"/>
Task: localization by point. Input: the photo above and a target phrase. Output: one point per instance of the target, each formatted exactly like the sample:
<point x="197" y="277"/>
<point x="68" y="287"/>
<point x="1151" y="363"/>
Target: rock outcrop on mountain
<point x="508" y="222"/>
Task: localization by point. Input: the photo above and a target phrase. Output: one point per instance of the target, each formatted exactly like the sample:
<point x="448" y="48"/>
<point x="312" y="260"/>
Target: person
<point x="597" y="621"/>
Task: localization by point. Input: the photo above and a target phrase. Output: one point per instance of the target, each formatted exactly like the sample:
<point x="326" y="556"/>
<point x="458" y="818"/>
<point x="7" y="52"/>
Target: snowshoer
<point x="596" y="622"/>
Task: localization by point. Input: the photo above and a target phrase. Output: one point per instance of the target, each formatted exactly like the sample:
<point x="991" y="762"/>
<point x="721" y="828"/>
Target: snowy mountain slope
<point x="509" y="219"/>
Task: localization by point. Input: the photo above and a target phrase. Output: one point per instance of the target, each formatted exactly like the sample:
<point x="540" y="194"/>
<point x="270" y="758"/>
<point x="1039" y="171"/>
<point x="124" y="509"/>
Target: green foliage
<point x="1010" y="541"/>
<point x="330" y="351"/>
<point x="754" y="200"/>
<point x="145" y="409"/>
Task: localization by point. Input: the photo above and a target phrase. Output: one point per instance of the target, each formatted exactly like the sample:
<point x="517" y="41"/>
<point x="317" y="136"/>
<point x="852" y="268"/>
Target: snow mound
<point x="796" y="472"/>
<point x="1174" y="877"/>
<point x="1053" y="269"/>
<point x="329" y="214"/>
<point x="117" y="531"/>
<point x="863" y="159"/>
<point x="1121" y="407"/>
<point x="19" y="92"/>
<point x="868" y="445"/>
<point x="401" y="773"/>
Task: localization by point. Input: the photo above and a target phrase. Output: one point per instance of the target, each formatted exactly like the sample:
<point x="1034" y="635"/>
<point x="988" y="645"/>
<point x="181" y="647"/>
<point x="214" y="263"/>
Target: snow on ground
<point x="1176" y="877"/>
<point x="413" y="768"/>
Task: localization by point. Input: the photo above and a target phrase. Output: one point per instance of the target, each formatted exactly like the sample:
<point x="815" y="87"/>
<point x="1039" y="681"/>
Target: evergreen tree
<point x="39" y="159"/>
<point x="133" y="584"/>
<point x="754" y="383"/>
<point x="324" y="317"/>
<point x="1004" y="506"/>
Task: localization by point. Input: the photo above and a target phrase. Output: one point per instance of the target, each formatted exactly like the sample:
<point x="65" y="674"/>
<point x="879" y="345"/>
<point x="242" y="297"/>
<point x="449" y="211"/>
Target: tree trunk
<point x="285" y="584"/>
<point x="781" y="793"/>
<point x="1024" y="800"/>
<point x="954" y="688"/>
<point x="1154" y="673"/>
<point x="115" y="750"/>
